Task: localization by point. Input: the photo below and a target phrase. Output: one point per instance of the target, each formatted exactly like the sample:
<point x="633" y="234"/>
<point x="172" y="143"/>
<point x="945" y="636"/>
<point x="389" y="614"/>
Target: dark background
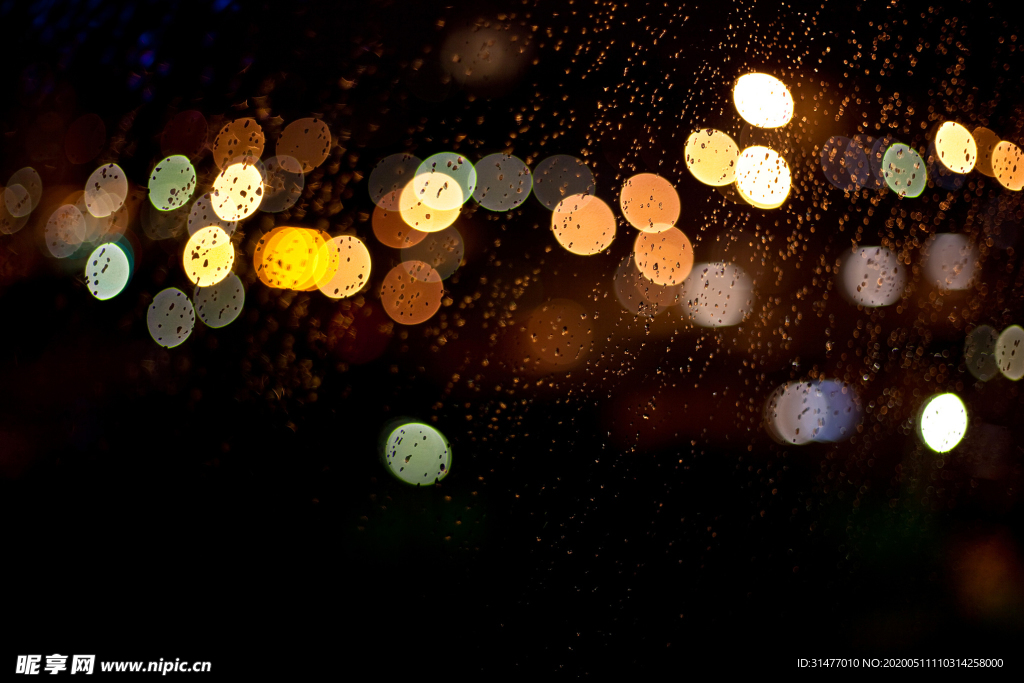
<point x="224" y="500"/>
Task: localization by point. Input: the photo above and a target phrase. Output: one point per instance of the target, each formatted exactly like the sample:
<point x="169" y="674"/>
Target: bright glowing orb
<point x="106" y="190"/>
<point x="237" y="192"/>
<point x="665" y="258"/>
<point x="170" y="318"/>
<point x="445" y="181"/>
<point x="1010" y="352"/>
<point x="418" y="454"/>
<point x="904" y="170"/>
<point x="649" y="202"/>
<point x="583" y="224"/>
<point x="943" y="422"/>
<point x="762" y="100"/>
<point x="711" y="157"/>
<point x="872" y="276"/>
<point x="422" y="217"/>
<point x="763" y="178"/>
<point x="1008" y="166"/>
<point x="955" y="147"/>
<point x="208" y="256"/>
<point x="107" y="271"/>
<point x="172" y="183"/>
<point x="349" y="268"/>
<point x="411" y="293"/>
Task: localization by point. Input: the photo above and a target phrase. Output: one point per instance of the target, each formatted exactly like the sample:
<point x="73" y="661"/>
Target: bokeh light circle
<point x="445" y="181"/>
<point x="391" y="231"/>
<point x="711" y="157"/>
<point x="170" y="318"/>
<point x="418" y="454"/>
<point x="717" y="295"/>
<point x="240" y="141"/>
<point x="172" y="183"/>
<point x="422" y="217"/>
<point x="65" y="231"/>
<point x="237" y="192"/>
<point x="649" y="202"/>
<point x="106" y="190"/>
<point x="762" y="177"/>
<point x="583" y="224"/>
<point x="1008" y="166"/>
<point x="872" y="276"/>
<point x="955" y="147"/>
<point x="986" y="141"/>
<point x="762" y="100"/>
<point x="943" y="422"/>
<point x="208" y="256"/>
<point x="795" y="412"/>
<point x="1010" y="352"/>
<point x="220" y="305"/>
<point x="411" y="293"/>
<point x="25" y="199"/>
<point x="904" y="170"/>
<point x="307" y="140"/>
<point x="664" y="258"/>
<point x="559" y="177"/>
<point x="950" y="261"/>
<point x="286" y="257"/>
<point x="503" y="182"/>
<point x="349" y="266"/>
<point x="107" y="271"/>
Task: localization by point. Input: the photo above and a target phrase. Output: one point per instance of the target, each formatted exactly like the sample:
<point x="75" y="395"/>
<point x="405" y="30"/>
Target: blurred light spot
<point x="390" y="230"/>
<point x="583" y="224"/>
<point x="711" y="156"/>
<point x="1008" y="166"/>
<point x="503" y="182"/>
<point x="842" y="412"/>
<point x="418" y="215"/>
<point x="107" y="271"/>
<point x="240" y="141"/>
<point x="904" y="171"/>
<point x="185" y="134"/>
<point x="795" y="412"/>
<point x="949" y="264"/>
<point x="1010" y="353"/>
<point x="170" y="318"/>
<point x="845" y="164"/>
<point x="443" y="251"/>
<point x="389" y="177"/>
<point x="980" y="352"/>
<point x="26" y="189"/>
<point x="559" y="177"/>
<point x="220" y="304"/>
<point x="237" y="192"/>
<point x="485" y="58"/>
<point x="286" y="257"/>
<point x="717" y="295"/>
<point x="649" y="202"/>
<point x="559" y="333"/>
<point x="202" y="216"/>
<point x="411" y="293"/>
<point x="172" y="183"/>
<point x="445" y="181"/>
<point x="283" y="185"/>
<point x="418" y="454"/>
<point x="85" y="139"/>
<point x="208" y="256"/>
<point x="106" y="190"/>
<point x="872" y="276"/>
<point x="955" y="147"/>
<point x="986" y="141"/>
<point x="762" y="177"/>
<point x="306" y="140"/>
<point x="9" y="223"/>
<point x="763" y="100"/>
<point x="943" y="422"/>
<point x="664" y="258"/>
<point x="348" y="268"/>
<point x="65" y="231"/>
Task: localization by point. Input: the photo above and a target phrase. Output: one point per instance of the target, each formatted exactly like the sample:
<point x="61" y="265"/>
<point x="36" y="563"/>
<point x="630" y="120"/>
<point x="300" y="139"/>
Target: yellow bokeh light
<point x="208" y="256"/>
<point x="237" y="192"/>
<point x="318" y="270"/>
<point x="583" y="224"/>
<point x="762" y="100"/>
<point x="349" y="269"/>
<point x="649" y="202"/>
<point x="411" y="293"/>
<point x="285" y="257"/>
<point x="418" y="215"/>
<point x="1007" y="165"/>
<point x="241" y="140"/>
<point x="711" y="157"/>
<point x="665" y="258"/>
<point x="955" y="147"/>
<point x="986" y="141"/>
<point x="762" y="178"/>
<point x="943" y="422"/>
